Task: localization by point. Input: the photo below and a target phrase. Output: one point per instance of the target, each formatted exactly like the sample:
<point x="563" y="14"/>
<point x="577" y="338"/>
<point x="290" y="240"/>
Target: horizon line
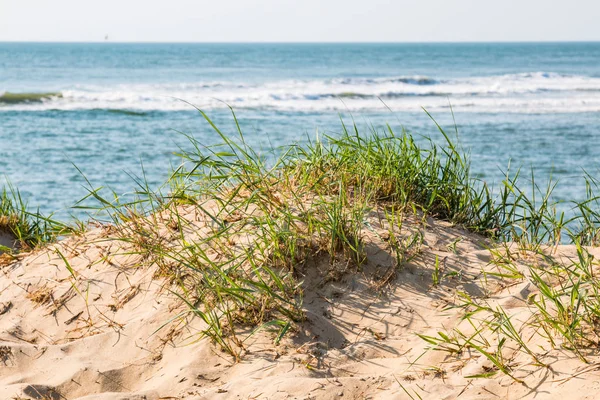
<point x="299" y="42"/>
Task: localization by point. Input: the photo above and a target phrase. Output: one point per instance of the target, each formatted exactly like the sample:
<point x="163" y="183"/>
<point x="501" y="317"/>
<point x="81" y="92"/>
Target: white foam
<point x="536" y="92"/>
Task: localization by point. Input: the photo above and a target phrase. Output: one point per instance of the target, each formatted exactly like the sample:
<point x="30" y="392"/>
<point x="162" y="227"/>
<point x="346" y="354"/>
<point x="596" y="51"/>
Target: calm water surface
<point x="121" y="105"/>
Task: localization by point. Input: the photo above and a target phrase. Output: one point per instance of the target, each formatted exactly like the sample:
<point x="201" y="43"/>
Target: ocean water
<point x="111" y="108"/>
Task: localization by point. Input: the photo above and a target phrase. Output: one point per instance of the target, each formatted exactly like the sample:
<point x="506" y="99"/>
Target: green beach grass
<point x="29" y="229"/>
<point x="268" y="220"/>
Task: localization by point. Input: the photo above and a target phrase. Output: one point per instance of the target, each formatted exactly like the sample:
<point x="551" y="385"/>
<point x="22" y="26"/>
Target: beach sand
<point x="107" y="328"/>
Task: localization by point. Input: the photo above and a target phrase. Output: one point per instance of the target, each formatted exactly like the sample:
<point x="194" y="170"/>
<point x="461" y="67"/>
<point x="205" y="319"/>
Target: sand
<point x="103" y="331"/>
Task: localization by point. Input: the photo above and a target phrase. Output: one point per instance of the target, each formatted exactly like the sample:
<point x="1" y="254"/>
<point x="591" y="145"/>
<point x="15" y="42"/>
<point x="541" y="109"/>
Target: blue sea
<point x="111" y="108"/>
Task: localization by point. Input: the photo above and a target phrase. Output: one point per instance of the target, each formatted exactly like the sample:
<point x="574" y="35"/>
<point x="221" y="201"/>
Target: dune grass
<point x="29" y="229"/>
<point x="265" y="221"/>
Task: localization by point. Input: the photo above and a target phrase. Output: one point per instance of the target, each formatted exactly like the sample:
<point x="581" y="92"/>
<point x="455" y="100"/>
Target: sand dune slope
<point x="87" y="319"/>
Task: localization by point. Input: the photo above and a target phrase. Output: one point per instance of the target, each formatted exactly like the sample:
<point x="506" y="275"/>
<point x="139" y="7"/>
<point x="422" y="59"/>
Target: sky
<point x="299" y="20"/>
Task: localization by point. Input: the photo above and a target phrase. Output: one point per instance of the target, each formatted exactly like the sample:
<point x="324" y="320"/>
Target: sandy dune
<point x="106" y="328"/>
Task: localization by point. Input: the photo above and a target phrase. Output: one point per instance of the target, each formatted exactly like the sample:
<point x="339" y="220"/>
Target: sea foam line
<point x="530" y="92"/>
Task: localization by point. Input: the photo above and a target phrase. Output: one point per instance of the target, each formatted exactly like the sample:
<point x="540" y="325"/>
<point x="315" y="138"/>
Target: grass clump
<point x="244" y="230"/>
<point x="26" y="230"/>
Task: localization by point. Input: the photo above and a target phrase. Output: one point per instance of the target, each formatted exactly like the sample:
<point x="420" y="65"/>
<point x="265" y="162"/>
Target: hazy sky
<point x="301" y="20"/>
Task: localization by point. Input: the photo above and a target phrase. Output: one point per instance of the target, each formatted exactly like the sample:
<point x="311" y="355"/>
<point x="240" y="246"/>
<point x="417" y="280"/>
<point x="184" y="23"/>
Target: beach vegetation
<point x="237" y="233"/>
<point x="26" y="229"/>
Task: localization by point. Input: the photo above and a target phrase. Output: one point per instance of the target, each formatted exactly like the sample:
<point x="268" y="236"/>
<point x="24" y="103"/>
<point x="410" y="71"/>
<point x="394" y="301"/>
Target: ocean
<point x="113" y="111"/>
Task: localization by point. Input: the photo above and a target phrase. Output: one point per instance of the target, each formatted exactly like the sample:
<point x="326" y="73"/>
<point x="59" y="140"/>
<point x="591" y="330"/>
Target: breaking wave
<point x="537" y="92"/>
<point x="18" y="98"/>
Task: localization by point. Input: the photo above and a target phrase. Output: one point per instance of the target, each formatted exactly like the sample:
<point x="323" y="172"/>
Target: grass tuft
<point x="26" y="229"/>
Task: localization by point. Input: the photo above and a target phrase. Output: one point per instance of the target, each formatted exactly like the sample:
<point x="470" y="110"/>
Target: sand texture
<point x="89" y="318"/>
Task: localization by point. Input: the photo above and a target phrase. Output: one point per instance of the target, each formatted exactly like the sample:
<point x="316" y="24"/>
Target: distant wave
<point x="388" y="95"/>
<point x="420" y="80"/>
<point x="17" y="98"/>
<point x="124" y="112"/>
<point x="535" y="92"/>
<point x="411" y="80"/>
